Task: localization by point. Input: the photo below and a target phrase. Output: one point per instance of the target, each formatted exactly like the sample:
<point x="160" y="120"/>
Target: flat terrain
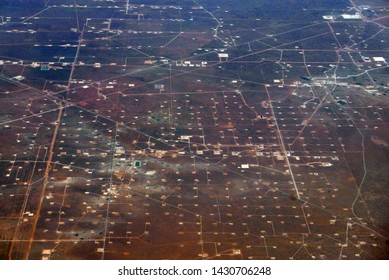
<point x="191" y="129"/>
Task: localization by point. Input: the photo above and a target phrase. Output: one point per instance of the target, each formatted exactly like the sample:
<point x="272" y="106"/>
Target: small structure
<point x="159" y="87"/>
<point x="348" y="16"/>
<point x="150" y="62"/>
<point x="222" y="56"/>
<point x="379" y="59"/>
<point x="19" y="78"/>
<point x="328" y="17"/>
<point x="46" y="253"/>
